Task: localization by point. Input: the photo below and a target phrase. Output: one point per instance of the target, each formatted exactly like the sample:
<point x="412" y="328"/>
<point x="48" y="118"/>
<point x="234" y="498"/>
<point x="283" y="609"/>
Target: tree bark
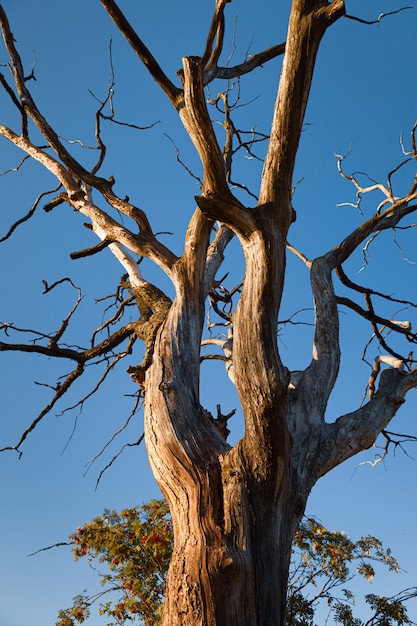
<point x="233" y="522"/>
<point x="232" y="508"/>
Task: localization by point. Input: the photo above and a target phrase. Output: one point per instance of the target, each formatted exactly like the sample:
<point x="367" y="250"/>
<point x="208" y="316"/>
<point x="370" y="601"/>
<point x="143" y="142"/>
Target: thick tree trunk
<point x="221" y="575"/>
<point x="233" y="532"/>
<point x="232" y="508"/>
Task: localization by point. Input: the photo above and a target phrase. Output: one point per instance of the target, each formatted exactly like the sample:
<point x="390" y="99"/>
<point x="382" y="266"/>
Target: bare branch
<point x="48" y="288"/>
<point x="59" y="199"/>
<point x="292" y="322"/>
<point x="216" y="32"/>
<point x="31" y="109"/>
<point x="115" y="434"/>
<point x="358" y="430"/>
<point x="110" y="118"/>
<point x="53" y="342"/>
<point x="103" y="224"/>
<point x="29" y="214"/>
<point x="114" y="340"/>
<point x="16" y="102"/>
<point x="145" y="243"/>
<point x="196" y="120"/>
<point x="100" y="115"/>
<point x="81" y="356"/>
<point x="300" y="255"/>
<point x="361" y="190"/>
<point x="257" y="60"/>
<point x="389" y="213"/>
<point x="394" y="236"/>
<point x="173" y="93"/>
<point x="215" y="254"/>
<point x="60" y="391"/>
<point x="402" y="328"/>
<point x="93" y="249"/>
<point x="324" y="366"/>
<point x="389" y="218"/>
<point x="300" y="55"/>
<point x="42" y="157"/>
<point x="340" y="273"/>
<point x="64" y="353"/>
<point x="116" y="456"/>
<point x="114" y="318"/>
<point x="55" y="545"/>
<point x="370" y="315"/>
<point x="222" y="104"/>
<point x="111" y="364"/>
<point x="379" y="18"/>
<point x="187" y="169"/>
<point x="389" y="442"/>
<point x="17" y="167"/>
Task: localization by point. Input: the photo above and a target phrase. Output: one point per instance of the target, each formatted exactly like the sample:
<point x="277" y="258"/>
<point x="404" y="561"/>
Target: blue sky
<point x="363" y="97"/>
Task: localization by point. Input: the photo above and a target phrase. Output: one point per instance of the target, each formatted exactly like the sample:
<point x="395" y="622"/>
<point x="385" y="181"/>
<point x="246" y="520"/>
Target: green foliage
<point x="77" y="614"/>
<point x="321" y="566"/>
<point x="136" y="546"/>
<point x="390" y="610"/>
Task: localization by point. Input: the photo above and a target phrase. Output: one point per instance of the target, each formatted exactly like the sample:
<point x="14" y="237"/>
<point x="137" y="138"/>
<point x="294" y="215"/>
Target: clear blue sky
<point x="364" y="96"/>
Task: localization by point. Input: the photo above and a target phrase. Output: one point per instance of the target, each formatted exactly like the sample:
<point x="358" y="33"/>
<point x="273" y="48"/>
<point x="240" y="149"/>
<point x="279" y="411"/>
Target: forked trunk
<point x="234" y="520"/>
<point x="235" y="511"/>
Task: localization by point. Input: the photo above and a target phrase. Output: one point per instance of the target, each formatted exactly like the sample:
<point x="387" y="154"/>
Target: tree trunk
<point x="233" y="510"/>
<point x="233" y="531"/>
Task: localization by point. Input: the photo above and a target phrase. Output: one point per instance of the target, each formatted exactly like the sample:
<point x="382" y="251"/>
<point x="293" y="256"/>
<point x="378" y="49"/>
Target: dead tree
<point x="234" y="508"/>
